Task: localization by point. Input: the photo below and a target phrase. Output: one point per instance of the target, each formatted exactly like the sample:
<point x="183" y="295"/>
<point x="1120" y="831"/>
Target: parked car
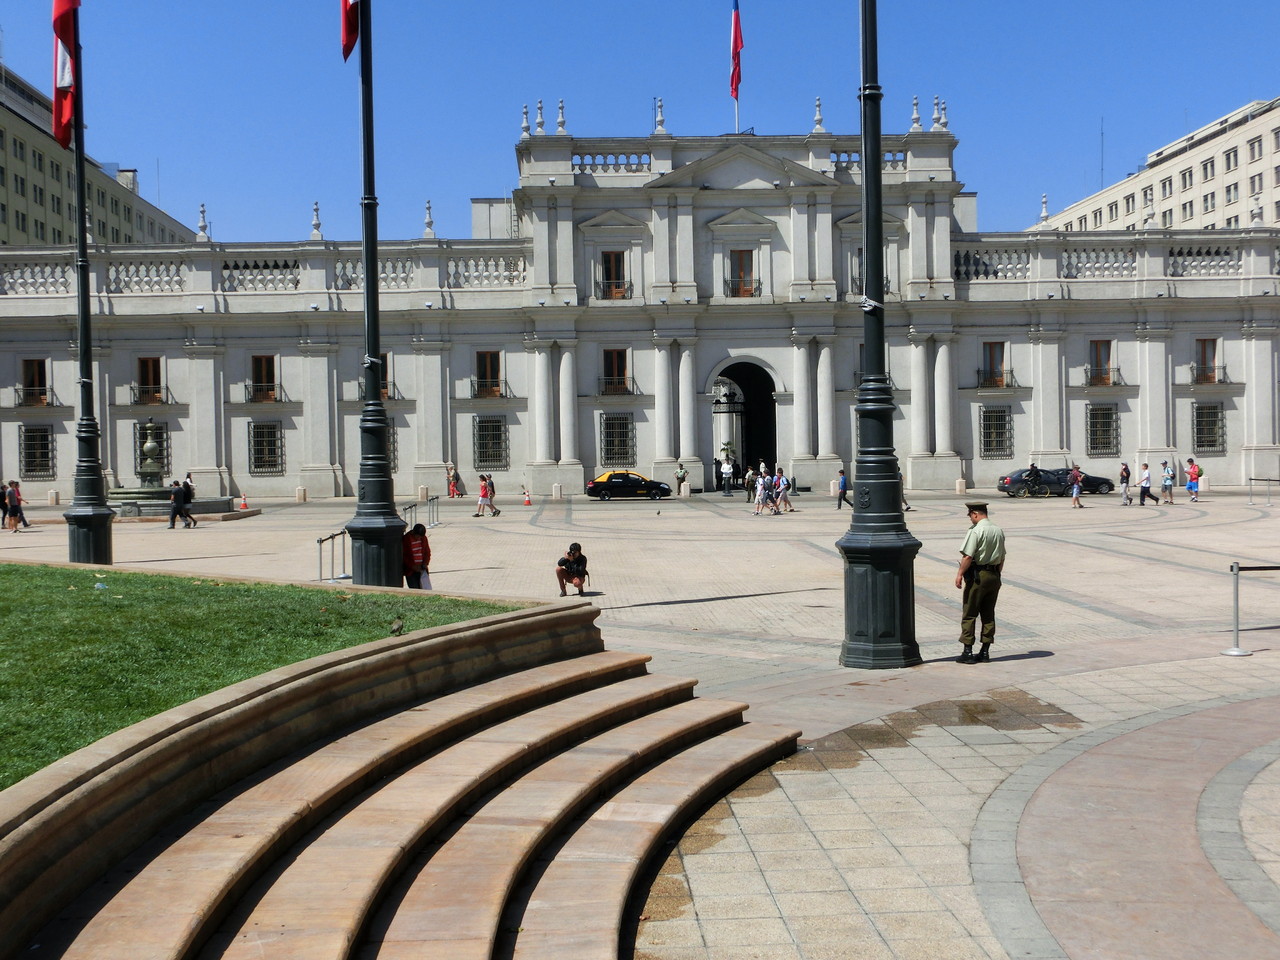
<point x="1057" y="482"/>
<point x="624" y="483"/>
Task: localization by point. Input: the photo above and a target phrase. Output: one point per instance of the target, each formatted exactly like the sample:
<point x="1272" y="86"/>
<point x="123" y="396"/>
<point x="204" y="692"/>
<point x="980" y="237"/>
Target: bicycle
<point x="1024" y="490"/>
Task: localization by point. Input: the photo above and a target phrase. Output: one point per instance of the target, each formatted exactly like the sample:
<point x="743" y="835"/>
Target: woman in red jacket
<point x="417" y="559"/>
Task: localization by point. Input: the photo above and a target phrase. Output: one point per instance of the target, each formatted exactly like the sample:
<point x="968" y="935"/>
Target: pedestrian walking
<point x="485" y="500"/>
<point x="571" y="569"/>
<point x="13" y="505"/>
<point x="1144" y="488"/>
<point x="416" y="555"/>
<point x="1125" y="499"/>
<point x="451" y="479"/>
<point x="725" y="480"/>
<point x="188" y="498"/>
<point x="1194" y="473"/>
<point x="493" y="494"/>
<point x="843" y="486"/>
<point x="902" y="492"/>
<point x="22" y="513"/>
<point x="749" y="484"/>
<point x="176" y="498"/>
<point x="981" y="564"/>
<point x="1167" y="475"/>
<point x="1076" y="479"/>
<point x="783" y="486"/>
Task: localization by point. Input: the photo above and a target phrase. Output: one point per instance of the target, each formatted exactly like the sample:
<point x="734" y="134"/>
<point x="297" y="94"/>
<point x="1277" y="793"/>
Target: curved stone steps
<point x="576" y="908"/>
<point x="453" y="906"/>
<point x="316" y="905"/>
<point x="161" y="902"/>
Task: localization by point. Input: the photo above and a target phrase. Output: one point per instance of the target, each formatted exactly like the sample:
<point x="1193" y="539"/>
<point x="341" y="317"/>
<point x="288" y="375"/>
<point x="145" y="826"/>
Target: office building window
<point x="19" y="149"/>
<point x="266" y="448"/>
<point x="489" y="444"/>
<point x="1255" y="184"/>
<point x="1097" y="218"/>
<point x="1210" y="202"/>
<point x="1208" y="428"/>
<point x="1148" y="196"/>
<point x="617" y="440"/>
<point x="1186" y="179"/>
<point x="1232" y="223"/>
<point x="19" y="185"/>
<point x="1113" y="210"/>
<point x="1102" y="428"/>
<point x="36" y="459"/>
<point x="1206" y="169"/>
<point x="1083" y="223"/>
<point x="1255" y="149"/>
<point x="1231" y="193"/>
<point x="1166" y="188"/>
<point x="1130" y="204"/>
<point x="1188" y="210"/>
<point x="1166" y="218"/>
<point x="1230" y="159"/>
<point x="995" y="433"/>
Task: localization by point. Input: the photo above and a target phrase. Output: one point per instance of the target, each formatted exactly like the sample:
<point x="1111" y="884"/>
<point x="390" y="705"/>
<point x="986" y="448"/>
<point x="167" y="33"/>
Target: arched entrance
<point x="759" y="427"/>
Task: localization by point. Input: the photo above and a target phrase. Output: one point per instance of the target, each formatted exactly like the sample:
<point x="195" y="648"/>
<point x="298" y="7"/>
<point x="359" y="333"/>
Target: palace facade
<point x="638" y="302"/>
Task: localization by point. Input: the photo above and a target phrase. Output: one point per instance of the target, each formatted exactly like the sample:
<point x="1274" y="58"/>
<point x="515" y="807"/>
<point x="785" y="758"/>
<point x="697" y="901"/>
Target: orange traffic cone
<point x="527" y="501"/>
<point x="244" y="503"/>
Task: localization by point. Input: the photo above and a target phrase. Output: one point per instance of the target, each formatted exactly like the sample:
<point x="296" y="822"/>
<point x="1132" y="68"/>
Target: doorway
<point x="759" y="414"/>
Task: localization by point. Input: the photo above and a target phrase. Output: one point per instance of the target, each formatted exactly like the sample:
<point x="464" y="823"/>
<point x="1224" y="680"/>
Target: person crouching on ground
<point x="417" y="558"/>
<point x="572" y="569"/>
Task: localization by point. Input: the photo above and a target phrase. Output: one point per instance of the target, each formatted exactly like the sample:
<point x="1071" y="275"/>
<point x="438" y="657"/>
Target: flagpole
<point x="376" y="530"/>
<point x="89" y="518"/>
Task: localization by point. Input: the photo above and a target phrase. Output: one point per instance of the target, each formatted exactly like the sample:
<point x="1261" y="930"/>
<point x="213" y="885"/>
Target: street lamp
<point x="878" y="550"/>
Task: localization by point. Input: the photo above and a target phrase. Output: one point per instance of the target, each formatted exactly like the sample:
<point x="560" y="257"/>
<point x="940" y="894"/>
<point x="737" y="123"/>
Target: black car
<point x="1057" y="482"/>
<point x="624" y="483"/>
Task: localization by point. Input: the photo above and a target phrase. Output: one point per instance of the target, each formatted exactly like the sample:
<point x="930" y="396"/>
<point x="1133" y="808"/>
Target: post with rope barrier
<point x="1235" y="650"/>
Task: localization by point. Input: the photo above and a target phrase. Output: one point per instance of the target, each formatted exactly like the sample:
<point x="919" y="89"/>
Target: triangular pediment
<point x="613" y="218"/>
<point x="740" y="167"/>
<point x="742" y="217"/>
<point x="855" y="219"/>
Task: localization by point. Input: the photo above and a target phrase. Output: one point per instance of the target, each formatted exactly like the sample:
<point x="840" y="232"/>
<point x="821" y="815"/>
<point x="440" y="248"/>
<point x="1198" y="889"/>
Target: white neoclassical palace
<point x="604" y="312"/>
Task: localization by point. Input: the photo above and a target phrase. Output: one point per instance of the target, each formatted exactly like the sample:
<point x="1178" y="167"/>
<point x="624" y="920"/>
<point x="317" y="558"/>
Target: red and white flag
<point x="350" y="26"/>
<point x="735" y="51"/>
<point x="64" y="51"/>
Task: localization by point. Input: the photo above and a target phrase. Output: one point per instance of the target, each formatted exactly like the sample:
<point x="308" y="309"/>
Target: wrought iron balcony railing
<point x="149" y="393"/>
<point x="999" y="379"/>
<point x="1102" y="377"/>
<point x="35" y="397"/>
<point x="265" y="393"/>
<point x="389" y="391"/>
<point x="490" y="388"/>
<point x="613" y="290"/>
<point x="1208" y="373"/>
<point x="616" y="386"/>
<point x="740" y="287"/>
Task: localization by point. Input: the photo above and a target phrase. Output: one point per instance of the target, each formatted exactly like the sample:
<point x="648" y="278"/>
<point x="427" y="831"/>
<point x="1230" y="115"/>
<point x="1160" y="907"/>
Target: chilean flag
<point x="64" y="51"/>
<point x="350" y="26"/>
<point x="735" y="51"/>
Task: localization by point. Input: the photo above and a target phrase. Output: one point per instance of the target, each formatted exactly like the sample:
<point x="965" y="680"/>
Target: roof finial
<point x="937" y="117"/>
<point x="315" y="222"/>
<point x="524" y="123"/>
<point x="944" y="115"/>
<point x="817" y="116"/>
<point x="428" y="225"/>
<point x="203" y="227"/>
<point x="1044" y="208"/>
<point x="659" y="120"/>
<point x="539" y="122"/>
<point x="560" y="130"/>
<point x="915" y="115"/>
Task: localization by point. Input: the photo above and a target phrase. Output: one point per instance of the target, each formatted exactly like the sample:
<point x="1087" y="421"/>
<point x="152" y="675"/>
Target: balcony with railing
<point x="613" y="290"/>
<point x="490" y="389"/>
<point x="35" y="397"/>
<point x="616" y="386"/>
<point x="996" y="379"/>
<point x="146" y="394"/>
<point x="389" y="391"/>
<point x="1102" y="377"/>
<point x="741" y="287"/>
<point x="1202" y="373"/>
<point x="265" y="393"/>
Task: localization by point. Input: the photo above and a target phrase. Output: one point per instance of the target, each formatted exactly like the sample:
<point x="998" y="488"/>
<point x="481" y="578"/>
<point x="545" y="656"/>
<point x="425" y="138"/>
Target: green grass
<point x="83" y="654"/>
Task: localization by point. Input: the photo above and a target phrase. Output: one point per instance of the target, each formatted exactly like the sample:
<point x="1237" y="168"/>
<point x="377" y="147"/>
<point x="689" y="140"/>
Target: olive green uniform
<point x="984" y="545"/>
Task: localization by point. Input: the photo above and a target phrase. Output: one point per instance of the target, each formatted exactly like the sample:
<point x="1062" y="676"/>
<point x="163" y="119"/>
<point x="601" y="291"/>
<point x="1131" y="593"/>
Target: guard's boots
<point x="967" y="656"/>
<point x="983" y="655"/>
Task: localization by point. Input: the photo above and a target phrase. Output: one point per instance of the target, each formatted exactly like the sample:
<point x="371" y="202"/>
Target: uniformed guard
<point x="981" y="560"/>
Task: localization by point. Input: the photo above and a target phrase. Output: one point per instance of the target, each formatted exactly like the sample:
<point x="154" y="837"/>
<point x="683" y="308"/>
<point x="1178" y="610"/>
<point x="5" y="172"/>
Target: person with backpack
<point x="1194" y="473"/>
<point x="783" y="484"/>
<point x="1167" y="475"/>
<point x="1076" y="479"/>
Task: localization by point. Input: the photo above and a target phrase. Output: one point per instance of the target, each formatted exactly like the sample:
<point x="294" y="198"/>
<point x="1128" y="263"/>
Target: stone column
<point x="944" y="396"/>
<point x="1049" y="411"/>
<point x="1155" y="390"/>
<point x="801" y="400"/>
<point x="685" y="280"/>
<point x="826" y="400"/>
<point x="921" y="409"/>
<point x="663" y="393"/>
<point x="568" y="403"/>
<point x="688" y="402"/>
<point x="662" y="244"/>
<point x="432" y="414"/>
<point x="540" y="406"/>
<point x="1260" y="434"/>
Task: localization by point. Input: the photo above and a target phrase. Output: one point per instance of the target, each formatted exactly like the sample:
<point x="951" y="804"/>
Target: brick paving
<point x="940" y="811"/>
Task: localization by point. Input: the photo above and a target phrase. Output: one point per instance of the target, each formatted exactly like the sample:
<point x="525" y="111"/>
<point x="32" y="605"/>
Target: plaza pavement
<point x="1106" y="787"/>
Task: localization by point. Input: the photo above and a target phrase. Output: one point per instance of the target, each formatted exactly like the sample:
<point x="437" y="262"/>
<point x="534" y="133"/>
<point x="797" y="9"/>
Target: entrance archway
<point x="759" y="415"/>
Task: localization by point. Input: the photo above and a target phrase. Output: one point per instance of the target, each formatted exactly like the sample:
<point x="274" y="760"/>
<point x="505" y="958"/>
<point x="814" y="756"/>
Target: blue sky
<point x="249" y="108"/>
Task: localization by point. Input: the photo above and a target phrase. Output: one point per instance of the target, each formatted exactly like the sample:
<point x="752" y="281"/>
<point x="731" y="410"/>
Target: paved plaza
<point x="1106" y="787"/>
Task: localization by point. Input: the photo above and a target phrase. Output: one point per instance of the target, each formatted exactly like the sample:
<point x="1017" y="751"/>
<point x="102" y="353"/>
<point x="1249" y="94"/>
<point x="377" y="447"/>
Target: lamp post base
<point x="377" y="558"/>
<point x="89" y="529"/>
<point x="879" y="591"/>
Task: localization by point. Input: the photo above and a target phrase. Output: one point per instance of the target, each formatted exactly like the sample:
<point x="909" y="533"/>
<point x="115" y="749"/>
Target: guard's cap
<point x="1164" y="461"/>
<point x="975" y="505"/>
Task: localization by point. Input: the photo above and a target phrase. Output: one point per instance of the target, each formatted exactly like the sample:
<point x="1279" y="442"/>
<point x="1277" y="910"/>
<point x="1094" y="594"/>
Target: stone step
<point x="316" y="905"/>
<point x="164" y="900"/>
<point x="575" y="911"/>
<point x="452" y="907"/>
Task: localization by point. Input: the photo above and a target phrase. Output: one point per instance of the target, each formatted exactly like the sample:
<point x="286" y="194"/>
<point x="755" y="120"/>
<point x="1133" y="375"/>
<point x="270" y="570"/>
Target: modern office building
<point x="1224" y="176"/>
<point x="38" y="190"/>
<point x="638" y="302"/>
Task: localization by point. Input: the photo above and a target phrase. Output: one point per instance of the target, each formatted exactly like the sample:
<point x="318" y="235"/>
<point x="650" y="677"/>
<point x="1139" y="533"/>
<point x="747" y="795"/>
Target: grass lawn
<point x="83" y="653"/>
